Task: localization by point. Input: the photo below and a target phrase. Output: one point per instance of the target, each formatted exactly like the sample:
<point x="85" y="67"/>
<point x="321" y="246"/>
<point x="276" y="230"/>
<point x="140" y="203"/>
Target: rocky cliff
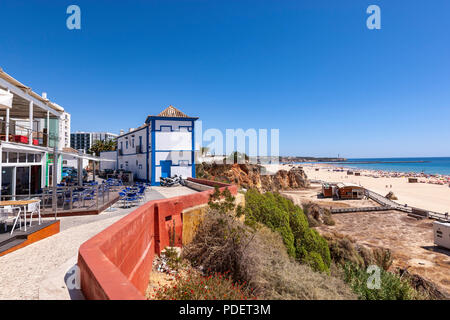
<point x="252" y="176"/>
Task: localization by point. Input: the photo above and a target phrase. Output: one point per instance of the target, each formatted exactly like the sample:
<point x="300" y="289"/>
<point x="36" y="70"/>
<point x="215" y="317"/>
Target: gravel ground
<point x="22" y="271"/>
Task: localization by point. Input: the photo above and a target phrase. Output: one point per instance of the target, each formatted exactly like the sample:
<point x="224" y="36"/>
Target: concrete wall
<point x="116" y="263"/>
<point x="108" y="155"/>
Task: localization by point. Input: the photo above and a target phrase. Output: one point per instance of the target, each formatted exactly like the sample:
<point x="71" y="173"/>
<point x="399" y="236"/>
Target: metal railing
<point x="71" y="199"/>
<point x="20" y="134"/>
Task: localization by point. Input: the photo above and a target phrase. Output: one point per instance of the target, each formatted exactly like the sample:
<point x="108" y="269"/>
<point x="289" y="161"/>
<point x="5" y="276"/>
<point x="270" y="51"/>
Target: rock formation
<point x="252" y="176"/>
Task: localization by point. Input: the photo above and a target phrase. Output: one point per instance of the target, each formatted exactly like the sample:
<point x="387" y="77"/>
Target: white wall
<point x="108" y="155"/>
<point x="173" y="140"/>
<point x="175" y="124"/>
<point x="130" y="160"/>
<point x="175" y="156"/>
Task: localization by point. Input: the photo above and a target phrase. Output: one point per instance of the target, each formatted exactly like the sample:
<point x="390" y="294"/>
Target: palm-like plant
<point x="103" y="145"/>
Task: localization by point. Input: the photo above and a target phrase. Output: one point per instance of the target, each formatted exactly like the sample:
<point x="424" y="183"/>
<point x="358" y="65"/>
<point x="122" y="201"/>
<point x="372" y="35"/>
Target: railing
<point x="71" y="199"/>
<point x="20" y="134"/>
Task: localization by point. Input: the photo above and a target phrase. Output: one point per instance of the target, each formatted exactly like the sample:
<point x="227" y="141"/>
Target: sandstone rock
<point x="252" y="176"/>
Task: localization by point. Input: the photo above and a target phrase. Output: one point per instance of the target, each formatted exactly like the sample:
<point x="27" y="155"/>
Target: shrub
<point x="282" y="216"/>
<point x="259" y="258"/>
<point x="194" y="286"/>
<point x="276" y="275"/>
<point x="392" y="287"/>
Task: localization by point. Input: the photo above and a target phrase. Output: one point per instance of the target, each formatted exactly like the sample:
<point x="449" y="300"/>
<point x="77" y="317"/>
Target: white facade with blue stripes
<point x="163" y="147"/>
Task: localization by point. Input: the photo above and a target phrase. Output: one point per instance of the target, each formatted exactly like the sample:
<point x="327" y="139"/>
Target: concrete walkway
<point x="40" y="269"/>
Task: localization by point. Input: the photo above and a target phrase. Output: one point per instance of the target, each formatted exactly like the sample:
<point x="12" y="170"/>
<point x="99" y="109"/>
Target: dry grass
<point x="261" y="260"/>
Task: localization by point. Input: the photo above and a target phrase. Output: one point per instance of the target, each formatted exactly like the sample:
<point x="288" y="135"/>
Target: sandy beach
<point x="426" y="195"/>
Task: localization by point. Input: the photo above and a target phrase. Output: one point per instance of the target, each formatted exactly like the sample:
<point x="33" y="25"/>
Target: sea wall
<point x="116" y="263"/>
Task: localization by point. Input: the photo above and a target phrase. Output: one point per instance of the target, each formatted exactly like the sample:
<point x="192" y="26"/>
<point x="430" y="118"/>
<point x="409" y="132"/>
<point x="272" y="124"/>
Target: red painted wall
<point x="116" y="263"/>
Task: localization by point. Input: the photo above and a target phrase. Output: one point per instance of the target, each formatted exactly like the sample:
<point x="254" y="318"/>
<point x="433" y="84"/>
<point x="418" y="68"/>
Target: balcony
<point x="21" y="134"/>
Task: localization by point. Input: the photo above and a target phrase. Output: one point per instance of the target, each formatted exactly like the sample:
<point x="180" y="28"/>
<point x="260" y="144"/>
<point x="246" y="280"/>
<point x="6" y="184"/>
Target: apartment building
<point x="84" y="140"/>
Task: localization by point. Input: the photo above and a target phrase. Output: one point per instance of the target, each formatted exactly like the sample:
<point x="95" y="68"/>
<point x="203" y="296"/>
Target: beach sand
<point x="421" y="195"/>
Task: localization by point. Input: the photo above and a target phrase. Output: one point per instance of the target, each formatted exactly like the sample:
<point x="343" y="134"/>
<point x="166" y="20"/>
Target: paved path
<point x="22" y="271"/>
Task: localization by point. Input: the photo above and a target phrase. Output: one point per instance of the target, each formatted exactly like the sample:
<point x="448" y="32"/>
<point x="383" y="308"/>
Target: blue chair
<point x="123" y="198"/>
<point x="132" y="198"/>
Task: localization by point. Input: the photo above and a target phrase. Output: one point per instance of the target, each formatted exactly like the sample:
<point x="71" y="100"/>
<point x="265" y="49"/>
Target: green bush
<point x="392" y="287"/>
<point x="282" y="216"/>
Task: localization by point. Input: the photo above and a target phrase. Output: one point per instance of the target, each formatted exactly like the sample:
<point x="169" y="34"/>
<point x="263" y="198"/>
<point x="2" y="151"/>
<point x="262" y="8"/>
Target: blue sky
<point x="309" y="68"/>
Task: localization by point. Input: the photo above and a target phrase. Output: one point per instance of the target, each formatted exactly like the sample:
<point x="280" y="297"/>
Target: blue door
<point x="165" y="168"/>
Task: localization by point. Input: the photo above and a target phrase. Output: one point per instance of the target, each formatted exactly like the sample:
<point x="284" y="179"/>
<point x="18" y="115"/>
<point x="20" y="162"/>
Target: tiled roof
<point x="172" y="112"/>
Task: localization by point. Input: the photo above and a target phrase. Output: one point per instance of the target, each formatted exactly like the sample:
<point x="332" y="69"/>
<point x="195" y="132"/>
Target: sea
<point x="429" y="166"/>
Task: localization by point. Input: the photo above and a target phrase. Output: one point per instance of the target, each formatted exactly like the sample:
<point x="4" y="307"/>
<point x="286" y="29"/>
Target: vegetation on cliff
<point x="356" y="264"/>
<point x="256" y="256"/>
<point x="281" y="215"/>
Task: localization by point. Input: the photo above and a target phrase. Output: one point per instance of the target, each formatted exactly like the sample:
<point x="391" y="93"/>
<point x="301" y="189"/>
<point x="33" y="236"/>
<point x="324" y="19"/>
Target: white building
<point x="29" y="132"/>
<point x="64" y="130"/>
<point x="108" y="165"/>
<point x="84" y="140"/>
<point x="162" y="147"/>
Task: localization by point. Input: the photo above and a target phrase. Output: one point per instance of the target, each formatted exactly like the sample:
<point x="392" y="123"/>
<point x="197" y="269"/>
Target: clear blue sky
<point x="309" y="68"/>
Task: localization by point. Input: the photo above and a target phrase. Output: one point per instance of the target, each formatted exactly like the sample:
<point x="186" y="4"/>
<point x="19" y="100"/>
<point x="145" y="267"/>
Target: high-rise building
<point x="84" y="140"/>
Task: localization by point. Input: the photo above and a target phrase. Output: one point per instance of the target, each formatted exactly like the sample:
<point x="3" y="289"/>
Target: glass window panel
<point x="37" y="158"/>
<point x="22" y="157"/>
<point x="7" y="182"/>
<point x="31" y="157"/>
<point x="4" y="157"/>
<point x="12" y="157"/>
<point x="23" y="180"/>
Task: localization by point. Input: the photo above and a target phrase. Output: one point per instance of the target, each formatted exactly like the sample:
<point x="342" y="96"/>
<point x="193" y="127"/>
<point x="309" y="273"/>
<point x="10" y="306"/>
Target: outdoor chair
<point x="7" y="214"/>
<point x="35" y="207"/>
<point x="122" y="198"/>
<point x="141" y="194"/>
<point x="132" y="198"/>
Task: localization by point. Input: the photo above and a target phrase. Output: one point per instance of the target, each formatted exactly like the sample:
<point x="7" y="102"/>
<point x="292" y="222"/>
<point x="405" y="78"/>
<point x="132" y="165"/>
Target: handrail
<point x="21" y="134"/>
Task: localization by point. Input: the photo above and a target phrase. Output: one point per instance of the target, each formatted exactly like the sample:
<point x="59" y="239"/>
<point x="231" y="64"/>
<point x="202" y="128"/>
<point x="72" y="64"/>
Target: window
<point x="4" y="157"/>
<point x="31" y="158"/>
<point x="121" y="145"/>
<point x="126" y="144"/>
<point x="140" y="141"/>
<point x="132" y="143"/>
<point x="22" y="157"/>
<point x="12" y="157"/>
<point x="37" y="158"/>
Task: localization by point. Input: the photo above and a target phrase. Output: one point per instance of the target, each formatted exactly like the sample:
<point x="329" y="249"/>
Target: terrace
<point x="26" y="117"/>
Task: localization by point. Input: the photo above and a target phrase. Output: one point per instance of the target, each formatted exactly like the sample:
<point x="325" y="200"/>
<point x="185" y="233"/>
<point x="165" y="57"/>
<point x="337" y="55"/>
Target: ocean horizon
<point x="431" y="165"/>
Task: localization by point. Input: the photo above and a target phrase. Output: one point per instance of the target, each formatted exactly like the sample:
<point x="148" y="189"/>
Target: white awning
<point x="6" y="99"/>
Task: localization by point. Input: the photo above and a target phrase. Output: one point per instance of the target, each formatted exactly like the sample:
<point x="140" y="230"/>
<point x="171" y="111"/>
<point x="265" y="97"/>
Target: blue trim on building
<point x="147" y="168"/>
<point x="193" y="151"/>
<point x="173" y="150"/>
<point x="173" y="130"/>
<point x="153" y="183"/>
<point x="152" y="118"/>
